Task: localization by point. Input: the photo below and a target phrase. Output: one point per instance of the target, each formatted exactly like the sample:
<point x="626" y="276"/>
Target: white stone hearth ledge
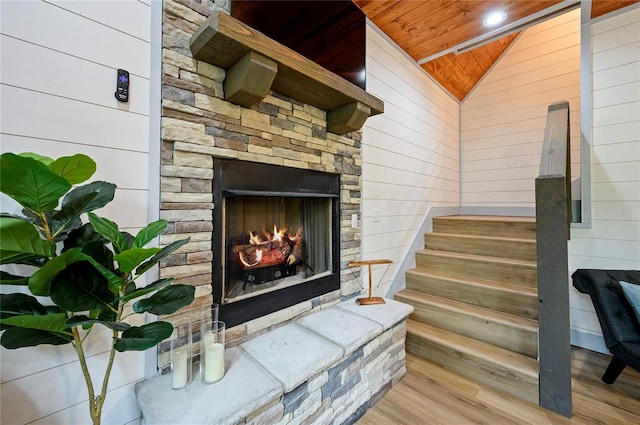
<point x="326" y="368"/>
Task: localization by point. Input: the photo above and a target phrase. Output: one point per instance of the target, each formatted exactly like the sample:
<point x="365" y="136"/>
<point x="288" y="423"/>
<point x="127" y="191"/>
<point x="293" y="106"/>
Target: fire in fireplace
<point x="276" y="229"/>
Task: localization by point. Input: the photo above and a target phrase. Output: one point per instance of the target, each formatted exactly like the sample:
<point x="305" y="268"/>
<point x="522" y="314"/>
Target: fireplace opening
<point x="276" y="237"/>
<point x="272" y="242"/>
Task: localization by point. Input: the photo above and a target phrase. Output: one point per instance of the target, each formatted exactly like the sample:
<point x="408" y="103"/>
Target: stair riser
<point x="483" y="269"/>
<point x="505" y="229"/>
<point x="524" y="305"/>
<point x="513" y="249"/>
<point x="476" y="368"/>
<point x="498" y="334"/>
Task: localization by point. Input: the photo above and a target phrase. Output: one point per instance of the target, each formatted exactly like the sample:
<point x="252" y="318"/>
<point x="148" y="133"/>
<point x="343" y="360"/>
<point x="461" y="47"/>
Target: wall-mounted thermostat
<point x="122" y="86"/>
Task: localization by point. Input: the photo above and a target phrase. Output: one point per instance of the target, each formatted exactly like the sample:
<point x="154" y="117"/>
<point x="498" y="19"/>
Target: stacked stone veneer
<point x="344" y="392"/>
<point x="198" y="125"/>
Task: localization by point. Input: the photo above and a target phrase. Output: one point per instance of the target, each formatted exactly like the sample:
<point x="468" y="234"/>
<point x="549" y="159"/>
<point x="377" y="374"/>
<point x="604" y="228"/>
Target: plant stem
<point x="46" y="228"/>
<point x="112" y="355"/>
<point x="77" y="344"/>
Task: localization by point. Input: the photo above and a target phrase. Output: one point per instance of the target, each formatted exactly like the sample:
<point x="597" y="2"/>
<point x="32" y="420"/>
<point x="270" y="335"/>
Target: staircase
<point x="475" y="299"/>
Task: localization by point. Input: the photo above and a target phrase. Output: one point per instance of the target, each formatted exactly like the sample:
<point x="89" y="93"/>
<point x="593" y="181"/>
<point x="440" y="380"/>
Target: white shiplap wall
<point x="58" y="72"/>
<point x="613" y="241"/>
<point x="410" y="155"/>
<point x="502" y="120"/>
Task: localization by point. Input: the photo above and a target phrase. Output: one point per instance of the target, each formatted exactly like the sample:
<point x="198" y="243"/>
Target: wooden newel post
<point x="369" y="300"/>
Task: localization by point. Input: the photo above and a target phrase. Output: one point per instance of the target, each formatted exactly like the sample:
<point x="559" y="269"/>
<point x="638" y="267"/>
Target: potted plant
<point x="86" y="272"/>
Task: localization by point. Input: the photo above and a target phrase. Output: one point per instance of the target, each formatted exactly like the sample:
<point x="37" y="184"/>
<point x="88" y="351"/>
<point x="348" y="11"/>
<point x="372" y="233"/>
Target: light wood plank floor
<point x="430" y="395"/>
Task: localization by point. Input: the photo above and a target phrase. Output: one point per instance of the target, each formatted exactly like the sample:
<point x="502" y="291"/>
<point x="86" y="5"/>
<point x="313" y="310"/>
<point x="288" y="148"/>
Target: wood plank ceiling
<point x="430" y="29"/>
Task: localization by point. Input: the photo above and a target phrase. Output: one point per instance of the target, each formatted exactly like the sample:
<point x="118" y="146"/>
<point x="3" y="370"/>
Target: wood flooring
<point x="431" y="395"/>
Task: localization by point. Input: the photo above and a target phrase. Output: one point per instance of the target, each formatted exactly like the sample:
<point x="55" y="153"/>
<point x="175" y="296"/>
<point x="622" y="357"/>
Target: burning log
<point x="277" y="249"/>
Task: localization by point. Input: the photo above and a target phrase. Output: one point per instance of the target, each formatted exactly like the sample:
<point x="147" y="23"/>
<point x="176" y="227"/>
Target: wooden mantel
<point x="255" y="63"/>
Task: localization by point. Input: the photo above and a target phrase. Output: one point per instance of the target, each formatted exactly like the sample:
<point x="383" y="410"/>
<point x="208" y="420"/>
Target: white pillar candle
<point x="214" y="362"/>
<point x="179" y="375"/>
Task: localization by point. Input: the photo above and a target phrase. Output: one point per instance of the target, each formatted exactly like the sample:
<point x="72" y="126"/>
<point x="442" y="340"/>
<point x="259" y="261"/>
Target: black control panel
<point x="122" y="86"/>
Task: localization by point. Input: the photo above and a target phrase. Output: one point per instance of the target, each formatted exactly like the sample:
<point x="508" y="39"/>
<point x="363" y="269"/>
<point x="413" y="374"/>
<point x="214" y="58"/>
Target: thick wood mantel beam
<point x="249" y="55"/>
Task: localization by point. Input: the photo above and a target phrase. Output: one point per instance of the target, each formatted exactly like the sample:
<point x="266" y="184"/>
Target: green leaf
<point x="75" y="169"/>
<point x="44" y="159"/>
<point x="20" y="241"/>
<point x="80" y="287"/>
<point x="80" y="200"/>
<point x="110" y="231"/>
<point x="19" y="304"/>
<point x="79" y="237"/>
<point x="140" y="338"/>
<point x="12" y="279"/>
<point x="147" y="234"/>
<point x="155" y="286"/>
<point x="166" y="251"/>
<point x="13" y="338"/>
<point x="167" y="300"/>
<point x="115" y="280"/>
<point x="132" y="258"/>
<point x="40" y="280"/>
<point x="44" y="322"/>
<point x="31" y="183"/>
<point x="84" y="320"/>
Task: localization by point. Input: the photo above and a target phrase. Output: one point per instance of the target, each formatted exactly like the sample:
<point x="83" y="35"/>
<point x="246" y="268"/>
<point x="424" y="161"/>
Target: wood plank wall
<point x="410" y="155"/>
<point x="613" y="241"/>
<point x="503" y="119"/>
<point x="59" y="63"/>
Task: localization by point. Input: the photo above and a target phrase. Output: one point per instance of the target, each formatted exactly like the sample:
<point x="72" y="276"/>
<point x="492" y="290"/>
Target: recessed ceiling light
<point x="494" y="18"/>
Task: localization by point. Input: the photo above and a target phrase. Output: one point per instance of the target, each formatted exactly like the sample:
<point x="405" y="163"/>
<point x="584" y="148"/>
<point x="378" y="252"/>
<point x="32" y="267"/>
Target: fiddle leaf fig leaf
<point x="164" y="252"/>
<point x="132" y="258"/>
<point x="84" y="320"/>
<point x="140" y="338"/>
<point x="44" y="159"/>
<point x="75" y="169"/>
<point x="115" y="280"/>
<point x="20" y="242"/>
<point x="80" y="287"/>
<point x="110" y="231"/>
<point x="31" y="183"/>
<point x="13" y="338"/>
<point x="12" y="279"/>
<point x="151" y="231"/>
<point x="155" y="286"/>
<point x="19" y="304"/>
<point x="79" y="237"/>
<point x="167" y="300"/>
<point x="40" y="280"/>
<point x="44" y="322"/>
<point x="80" y="200"/>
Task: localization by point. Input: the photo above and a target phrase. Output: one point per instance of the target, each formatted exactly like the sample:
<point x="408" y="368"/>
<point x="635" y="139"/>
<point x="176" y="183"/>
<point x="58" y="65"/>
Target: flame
<point x="254" y="239"/>
<point x="278" y="235"/>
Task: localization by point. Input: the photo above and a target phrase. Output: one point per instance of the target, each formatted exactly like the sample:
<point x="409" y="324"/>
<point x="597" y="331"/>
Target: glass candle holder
<point x="212" y="346"/>
<point x="181" y="354"/>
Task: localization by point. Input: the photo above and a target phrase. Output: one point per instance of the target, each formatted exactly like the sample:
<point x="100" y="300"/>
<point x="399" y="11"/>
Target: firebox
<point x="276" y="237"/>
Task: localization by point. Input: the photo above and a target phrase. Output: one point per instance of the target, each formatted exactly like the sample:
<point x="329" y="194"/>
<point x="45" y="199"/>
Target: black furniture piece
<point x="620" y="326"/>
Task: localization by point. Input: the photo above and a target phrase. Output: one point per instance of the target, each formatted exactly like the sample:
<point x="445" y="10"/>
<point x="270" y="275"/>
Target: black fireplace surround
<point x="235" y="178"/>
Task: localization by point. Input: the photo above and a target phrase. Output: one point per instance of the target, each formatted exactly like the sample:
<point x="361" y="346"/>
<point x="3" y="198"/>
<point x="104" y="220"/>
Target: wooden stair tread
<point x="493" y="218"/>
<point x="474" y="257"/>
<point x="506" y="287"/>
<point x="488" y="353"/>
<point x="482" y="313"/>
<point x="486" y="237"/>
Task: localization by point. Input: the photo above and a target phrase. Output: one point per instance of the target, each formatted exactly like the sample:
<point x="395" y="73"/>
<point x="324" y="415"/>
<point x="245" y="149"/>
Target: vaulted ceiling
<point x="440" y="34"/>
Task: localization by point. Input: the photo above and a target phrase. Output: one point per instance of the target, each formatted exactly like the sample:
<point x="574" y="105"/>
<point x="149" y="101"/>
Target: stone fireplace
<point x="261" y="166"/>
<point x="203" y="134"/>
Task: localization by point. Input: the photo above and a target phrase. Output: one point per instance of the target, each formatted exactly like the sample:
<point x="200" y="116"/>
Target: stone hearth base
<point x="326" y="368"/>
